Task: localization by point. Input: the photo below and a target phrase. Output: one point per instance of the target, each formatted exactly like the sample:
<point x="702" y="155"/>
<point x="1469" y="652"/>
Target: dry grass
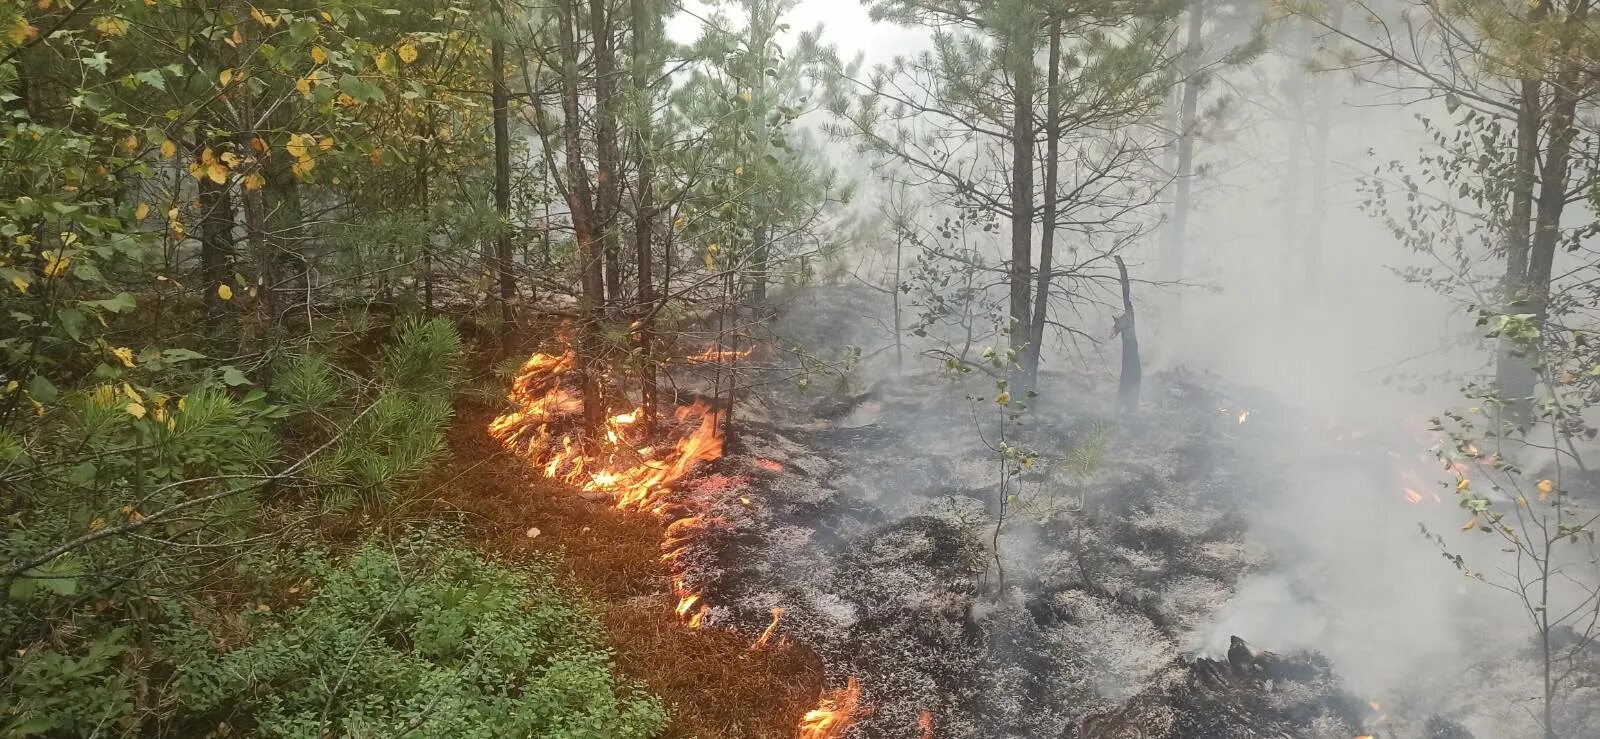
<point x="717" y="687"/>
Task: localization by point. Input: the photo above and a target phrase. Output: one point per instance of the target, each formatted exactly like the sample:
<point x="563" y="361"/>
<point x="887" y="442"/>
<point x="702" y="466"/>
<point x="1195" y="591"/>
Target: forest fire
<point x="833" y="714"/>
<point x="634" y="476"/>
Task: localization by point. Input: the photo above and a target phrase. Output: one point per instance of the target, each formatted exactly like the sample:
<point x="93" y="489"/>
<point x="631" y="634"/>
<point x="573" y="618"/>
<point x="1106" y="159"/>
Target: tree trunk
<point x="502" y="174"/>
<point x="605" y="136"/>
<point x="1172" y="243"/>
<point x="1047" y="240"/>
<point x="216" y="244"/>
<point x="1022" y="73"/>
<point x="424" y="137"/>
<point x="644" y="213"/>
<point x="580" y="203"/>
<point x="1132" y="373"/>
<point x="1514" y="374"/>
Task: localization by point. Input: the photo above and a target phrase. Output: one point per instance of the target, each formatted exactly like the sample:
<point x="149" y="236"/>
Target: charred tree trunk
<point x="502" y="174"/>
<point x="1132" y="372"/>
<point x="1022" y="134"/>
<point x="1047" y="240"/>
<point x="605" y="136"/>
<point x="1172" y="243"/>
<point x="580" y="203"/>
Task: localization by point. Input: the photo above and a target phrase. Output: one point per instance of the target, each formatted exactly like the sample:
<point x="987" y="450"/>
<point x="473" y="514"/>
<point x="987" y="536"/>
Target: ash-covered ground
<point x="1125" y="547"/>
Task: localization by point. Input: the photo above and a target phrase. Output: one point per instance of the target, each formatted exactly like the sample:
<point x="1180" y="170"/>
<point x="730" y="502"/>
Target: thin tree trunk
<point x="502" y="173"/>
<point x="1132" y="372"/>
<point x="1022" y="135"/>
<point x="424" y="137"/>
<point x="894" y="296"/>
<point x="644" y="213"/>
<point x="1172" y="246"/>
<point x="580" y="203"/>
<point x="605" y="135"/>
<point x="1047" y="240"/>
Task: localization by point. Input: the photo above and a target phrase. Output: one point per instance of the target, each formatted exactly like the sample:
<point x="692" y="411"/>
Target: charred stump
<point x="1132" y="372"/>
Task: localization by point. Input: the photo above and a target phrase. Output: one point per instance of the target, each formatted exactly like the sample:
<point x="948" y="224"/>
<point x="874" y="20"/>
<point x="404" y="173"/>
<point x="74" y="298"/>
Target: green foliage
<point x="422" y="634"/>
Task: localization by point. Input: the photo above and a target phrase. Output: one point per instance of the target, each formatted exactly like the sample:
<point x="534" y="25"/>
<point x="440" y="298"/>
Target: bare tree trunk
<point x="644" y="213"/>
<point x="425" y="136"/>
<point x="1132" y="372"/>
<point x="1022" y="133"/>
<point x="605" y="135"/>
<point x="502" y="173"/>
<point x="1047" y="241"/>
<point x="1172" y="243"/>
<point x="216" y="244"/>
<point x="580" y="203"/>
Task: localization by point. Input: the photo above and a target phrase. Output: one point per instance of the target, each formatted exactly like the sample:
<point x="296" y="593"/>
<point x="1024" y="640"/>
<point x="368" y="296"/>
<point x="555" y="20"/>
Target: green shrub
<point x="425" y="636"/>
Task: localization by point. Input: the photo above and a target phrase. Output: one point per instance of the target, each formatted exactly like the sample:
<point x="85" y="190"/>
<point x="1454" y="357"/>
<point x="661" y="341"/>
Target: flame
<point x="1245" y="416"/>
<point x="925" y="723"/>
<point x="1413" y="497"/>
<point x="833" y="714"/>
<point x="718" y="355"/>
<point x="769" y="465"/>
<point x="766" y="636"/>
<point x="546" y="429"/>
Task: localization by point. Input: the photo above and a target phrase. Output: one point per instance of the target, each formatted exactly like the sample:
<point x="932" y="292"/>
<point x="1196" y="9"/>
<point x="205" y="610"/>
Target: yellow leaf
<point x="131" y="144"/>
<point x="132" y="394"/>
<point x="124" y="354"/>
<point x="21" y="31"/>
<point x="136" y="410"/>
<point x="97" y="524"/>
<point x="236" y="39"/>
<point x="20" y="281"/>
<point x="141" y="212"/>
<point x="407" y="52"/>
<point x="254" y="181"/>
<point x="44" y="4"/>
<point x="384" y="62"/>
<point x="217" y="172"/>
<point x="327" y="16"/>
<point x="318" y="55"/>
<point x="346" y="101"/>
<point x="54" y="266"/>
<point x="738" y="170"/>
<point x="1003" y="399"/>
<point x="225" y="292"/>
<point x="1546" y="486"/>
<point x="264" y="608"/>
<point x="169" y="149"/>
<point x="303" y="167"/>
<point x="303" y="86"/>
<point x="225" y="76"/>
<point x="1463" y="484"/>
<point x="710" y="260"/>
<point x="258" y="144"/>
<point x="297" y="147"/>
<point x="263" y="18"/>
<point x="110" y="26"/>
<point x="326" y="143"/>
<point x="1470" y="524"/>
<point x="1522" y="502"/>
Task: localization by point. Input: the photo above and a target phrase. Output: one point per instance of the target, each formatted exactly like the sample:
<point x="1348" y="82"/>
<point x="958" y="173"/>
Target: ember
<point x="925" y="723"/>
<point x="715" y="355"/>
<point x="769" y="465"/>
<point x="833" y="715"/>
<point x="766" y="636"/>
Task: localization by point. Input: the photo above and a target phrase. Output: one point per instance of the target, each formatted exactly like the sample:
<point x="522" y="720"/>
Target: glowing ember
<point x="1245" y="416"/>
<point x="766" y="636"/>
<point x="769" y="465"/>
<point x="1413" y="497"/>
<point x="833" y="715"/>
<point x="925" y="723"/>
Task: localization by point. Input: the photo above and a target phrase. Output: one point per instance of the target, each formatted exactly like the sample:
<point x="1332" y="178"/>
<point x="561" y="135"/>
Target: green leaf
<point x="233" y="377"/>
<point x="360" y="89"/>
<point x="42" y="390"/>
<point x="122" y="303"/>
<point x="153" y="78"/>
<point x="180" y="355"/>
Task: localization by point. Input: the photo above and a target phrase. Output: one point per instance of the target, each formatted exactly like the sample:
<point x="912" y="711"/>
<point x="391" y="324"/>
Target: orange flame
<point x="544" y="428"/>
<point x="766" y="636"/>
<point x="834" y="714"/>
<point x="925" y="722"/>
<point x="1245" y="416"/>
<point x="716" y="355"/>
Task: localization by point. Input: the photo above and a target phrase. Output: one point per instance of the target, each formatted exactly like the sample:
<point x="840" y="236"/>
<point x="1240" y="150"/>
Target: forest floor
<point x="713" y="683"/>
